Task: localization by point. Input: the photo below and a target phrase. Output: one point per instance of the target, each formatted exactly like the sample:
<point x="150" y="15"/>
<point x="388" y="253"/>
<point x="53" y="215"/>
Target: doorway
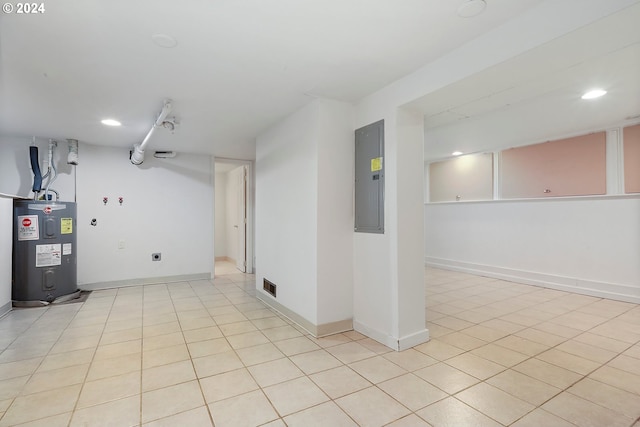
<point x="233" y="248"/>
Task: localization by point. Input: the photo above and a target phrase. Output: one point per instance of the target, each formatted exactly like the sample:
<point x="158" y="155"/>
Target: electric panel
<point x="369" y="188"/>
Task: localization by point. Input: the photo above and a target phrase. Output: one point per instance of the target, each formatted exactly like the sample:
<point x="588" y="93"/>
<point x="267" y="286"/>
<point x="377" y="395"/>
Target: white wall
<point x="585" y="245"/>
<point x="6" y="244"/>
<point x="304" y="214"/>
<point x="16" y="177"/>
<point x="168" y="208"/>
<point x="286" y="210"/>
<point x="220" y="244"/>
<point x="336" y="159"/>
<point x="410" y="276"/>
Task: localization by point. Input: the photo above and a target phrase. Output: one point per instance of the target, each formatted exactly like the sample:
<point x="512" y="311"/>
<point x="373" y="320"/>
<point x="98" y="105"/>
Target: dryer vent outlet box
<point x="269" y="287"/>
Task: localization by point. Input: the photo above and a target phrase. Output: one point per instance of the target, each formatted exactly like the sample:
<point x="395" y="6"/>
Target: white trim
<point x="615" y="174"/>
<point x="497" y="175"/>
<point x="6" y="309"/>
<point x="620" y="159"/>
<point x="400" y="344"/>
<point x="619" y="292"/>
<point x="374" y="334"/>
<point x="250" y="236"/>
<point x="544" y="199"/>
<point x="427" y="183"/>
<point x="289" y="314"/>
<point x="145" y="281"/>
<point x="326" y="329"/>
<point x="317" y="331"/>
<point x="413" y="340"/>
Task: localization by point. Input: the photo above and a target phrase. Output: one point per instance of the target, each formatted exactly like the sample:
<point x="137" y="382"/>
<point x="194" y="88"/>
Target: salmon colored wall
<point x="567" y="167"/>
<point x="631" y="138"/>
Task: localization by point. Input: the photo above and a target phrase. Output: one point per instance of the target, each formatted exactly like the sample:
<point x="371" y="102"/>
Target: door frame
<point x="250" y="203"/>
<point x="241" y="260"/>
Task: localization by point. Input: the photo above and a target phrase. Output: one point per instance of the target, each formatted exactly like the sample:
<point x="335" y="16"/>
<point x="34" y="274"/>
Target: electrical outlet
<point x="121" y="244"/>
<point x="157" y="256"/>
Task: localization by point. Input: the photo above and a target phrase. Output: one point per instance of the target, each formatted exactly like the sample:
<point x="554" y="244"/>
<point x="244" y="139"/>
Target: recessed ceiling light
<point x="471" y="8"/>
<point x="456" y="153"/>
<point x="596" y="93"/>
<point x="111" y="122"/>
<point x="164" y="40"/>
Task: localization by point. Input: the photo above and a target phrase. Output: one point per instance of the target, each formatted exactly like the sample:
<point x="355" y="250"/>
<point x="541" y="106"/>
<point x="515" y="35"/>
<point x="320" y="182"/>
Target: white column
<point x="497" y="175"/>
<point x="409" y="240"/>
<point x="615" y="159"/>
<point x="389" y="297"/>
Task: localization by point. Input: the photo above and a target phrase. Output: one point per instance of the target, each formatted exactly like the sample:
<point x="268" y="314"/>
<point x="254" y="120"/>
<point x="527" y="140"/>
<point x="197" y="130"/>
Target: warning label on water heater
<point x="48" y="255"/>
<point x="28" y="227"/>
<point x="66" y="225"/>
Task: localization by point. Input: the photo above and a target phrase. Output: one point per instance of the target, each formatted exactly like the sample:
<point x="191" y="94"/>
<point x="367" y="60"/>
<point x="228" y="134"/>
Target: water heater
<point x="44" y="250"/>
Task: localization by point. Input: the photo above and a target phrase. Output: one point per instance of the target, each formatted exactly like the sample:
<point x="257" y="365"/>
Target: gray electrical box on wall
<point x="369" y="203"/>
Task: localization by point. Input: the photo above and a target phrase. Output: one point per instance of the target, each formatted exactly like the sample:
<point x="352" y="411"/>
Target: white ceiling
<point x="239" y="65"/>
<point x="535" y="96"/>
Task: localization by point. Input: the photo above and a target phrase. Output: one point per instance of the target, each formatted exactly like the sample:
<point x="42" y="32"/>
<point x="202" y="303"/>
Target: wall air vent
<point x="269" y="287"/>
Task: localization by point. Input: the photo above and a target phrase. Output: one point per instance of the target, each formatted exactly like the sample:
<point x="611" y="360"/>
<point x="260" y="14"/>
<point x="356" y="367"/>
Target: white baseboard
<point x="325" y="329"/>
<point x="5" y="309"/>
<point x="317" y="331"/>
<point x="144" y="281"/>
<point x="397" y="344"/>
<point x="375" y="334"/>
<point x="613" y="291"/>
<point x="413" y="340"/>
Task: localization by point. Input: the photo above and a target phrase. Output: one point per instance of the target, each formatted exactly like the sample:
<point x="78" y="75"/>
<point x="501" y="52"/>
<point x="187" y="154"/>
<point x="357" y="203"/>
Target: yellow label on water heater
<point x="66" y="225"/>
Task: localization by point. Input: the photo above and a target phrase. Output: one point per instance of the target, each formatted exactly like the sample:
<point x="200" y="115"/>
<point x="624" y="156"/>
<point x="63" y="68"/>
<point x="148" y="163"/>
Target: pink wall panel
<point x="566" y="167"/>
<point x="631" y="137"/>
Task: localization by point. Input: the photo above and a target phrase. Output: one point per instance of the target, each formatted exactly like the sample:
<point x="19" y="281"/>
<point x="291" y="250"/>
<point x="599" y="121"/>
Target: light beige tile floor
<point x="208" y="353"/>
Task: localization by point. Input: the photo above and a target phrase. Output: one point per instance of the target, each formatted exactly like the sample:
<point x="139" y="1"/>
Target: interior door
<point x="241" y="258"/>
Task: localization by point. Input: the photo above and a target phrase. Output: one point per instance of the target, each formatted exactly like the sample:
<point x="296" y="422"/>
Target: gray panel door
<point x="369" y="193"/>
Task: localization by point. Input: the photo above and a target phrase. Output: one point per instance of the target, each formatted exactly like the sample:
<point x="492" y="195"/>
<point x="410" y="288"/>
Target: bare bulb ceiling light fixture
<point x="164" y="40"/>
<point x="471" y="8"/>
<point x="595" y="93"/>
<point x="110" y="122"/>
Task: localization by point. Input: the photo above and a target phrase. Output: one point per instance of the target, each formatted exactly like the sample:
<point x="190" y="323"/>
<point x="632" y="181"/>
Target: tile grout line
<point x="236" y="302"/>
<point x="583" y="376"/>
